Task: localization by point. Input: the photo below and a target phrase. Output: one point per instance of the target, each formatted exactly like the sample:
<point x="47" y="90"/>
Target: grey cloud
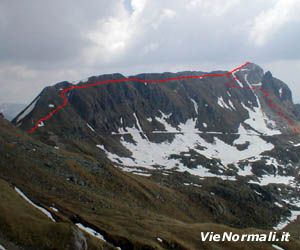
<point x="43" y="42"/>
<point x="46" y="31"/>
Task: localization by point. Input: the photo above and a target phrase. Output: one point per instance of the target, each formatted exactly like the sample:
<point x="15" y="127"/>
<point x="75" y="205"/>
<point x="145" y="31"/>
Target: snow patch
<point x="100" y="146"/>
<point x="231" y="105"/>
<point x="41" y="124"/>
<point x="258" y="193"/>
<point x="294" y="214"/>
<point x="219" y="149"/>
<point x="237" y="80"/>
<point x="159" y="239"/>
<point x="195" y="105"/>
<point x="257" y="84"/>
<point x="139" y="126"/>
<point x="163" y="121"/>
<point x="43" y="210"/>
<point x="280" y="92"/>
<point x="90" y="231"/>
<point x="149" y="154"/>
<point x="246" y="171"/>
<point x="142" y="174"/>
<point x="278" y="204"/>
<point x="258" y="120"/>
<point x="287" y="221"/>
<point x="273" y="161"/>
<point x="192" y="184"/>
<point x="274" y="179"/>
<point x="222" y="103"/>
<point x="54" y="209"/>
<point x="90" y="127"/>
<point x="277" y="247"/>
<point x="138" y="123"/>
<point x="246" y="80"/>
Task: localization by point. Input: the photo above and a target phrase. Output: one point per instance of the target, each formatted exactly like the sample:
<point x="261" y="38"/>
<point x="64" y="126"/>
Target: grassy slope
<point x="130" y="211"/>
<point x="26" y="226"/>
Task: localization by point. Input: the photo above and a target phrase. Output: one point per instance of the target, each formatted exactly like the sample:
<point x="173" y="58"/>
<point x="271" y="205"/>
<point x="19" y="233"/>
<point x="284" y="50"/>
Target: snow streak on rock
<point x="43" y="210"/>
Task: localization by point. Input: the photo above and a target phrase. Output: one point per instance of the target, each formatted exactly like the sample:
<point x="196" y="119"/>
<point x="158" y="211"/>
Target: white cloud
<point x="134" y="36"/>
<point x="20" y="72"/>
<point x="212" y="7"/>
<point x="151" y="47"/>
<point x="168" y="13"/>
<point x="138" y="5"/>
<point x="269" y="22"/>
<point x="113" y="35"/>
<point x="165" y="14"/>
<point x="109" y="38"/>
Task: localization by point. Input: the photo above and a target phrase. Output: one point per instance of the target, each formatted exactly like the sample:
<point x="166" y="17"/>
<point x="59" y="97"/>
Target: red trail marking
<point x="134" y="79"/>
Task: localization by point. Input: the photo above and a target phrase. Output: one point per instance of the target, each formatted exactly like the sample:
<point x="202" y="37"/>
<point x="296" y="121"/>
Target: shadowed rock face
<point x="297" y="110"/>
<point x="109" y="107"/>
<point x="133" y="119"/>
<point x="189" y="119"/>
<point x="278" y="88"/>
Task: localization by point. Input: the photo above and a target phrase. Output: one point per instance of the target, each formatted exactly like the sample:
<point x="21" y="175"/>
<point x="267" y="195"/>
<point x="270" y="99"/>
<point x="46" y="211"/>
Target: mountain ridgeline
<point x="212" y="107"/>
<point x="103" y="106"/>
<point x="178" y="125"/>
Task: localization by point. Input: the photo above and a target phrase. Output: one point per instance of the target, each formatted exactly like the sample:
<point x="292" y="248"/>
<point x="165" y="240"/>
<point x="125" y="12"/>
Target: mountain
<point x="11" y="110"/>
<point x="149" y="163"/>
<point x="182" y="125"/>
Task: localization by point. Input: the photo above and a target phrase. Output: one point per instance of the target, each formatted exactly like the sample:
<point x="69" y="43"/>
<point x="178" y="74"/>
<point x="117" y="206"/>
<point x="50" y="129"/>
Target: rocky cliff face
<point x="297" y="110"/>
<point x="185" y="125"/>
<point x="230" y="125"/>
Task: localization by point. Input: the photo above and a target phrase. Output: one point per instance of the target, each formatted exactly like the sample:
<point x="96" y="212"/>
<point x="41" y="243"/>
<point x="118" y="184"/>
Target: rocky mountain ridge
<point x="131" y="121"/>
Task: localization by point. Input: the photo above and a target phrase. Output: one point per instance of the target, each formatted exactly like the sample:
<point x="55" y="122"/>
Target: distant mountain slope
<point x="11" y="110"/>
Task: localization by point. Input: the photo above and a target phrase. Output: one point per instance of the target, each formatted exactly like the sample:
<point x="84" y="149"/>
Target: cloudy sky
<point x="44" y="42"/>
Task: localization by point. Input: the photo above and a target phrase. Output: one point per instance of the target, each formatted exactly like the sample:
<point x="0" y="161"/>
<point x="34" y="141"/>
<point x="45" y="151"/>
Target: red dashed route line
<point x="134" y="79"/>
<point x="278" y="110"/>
